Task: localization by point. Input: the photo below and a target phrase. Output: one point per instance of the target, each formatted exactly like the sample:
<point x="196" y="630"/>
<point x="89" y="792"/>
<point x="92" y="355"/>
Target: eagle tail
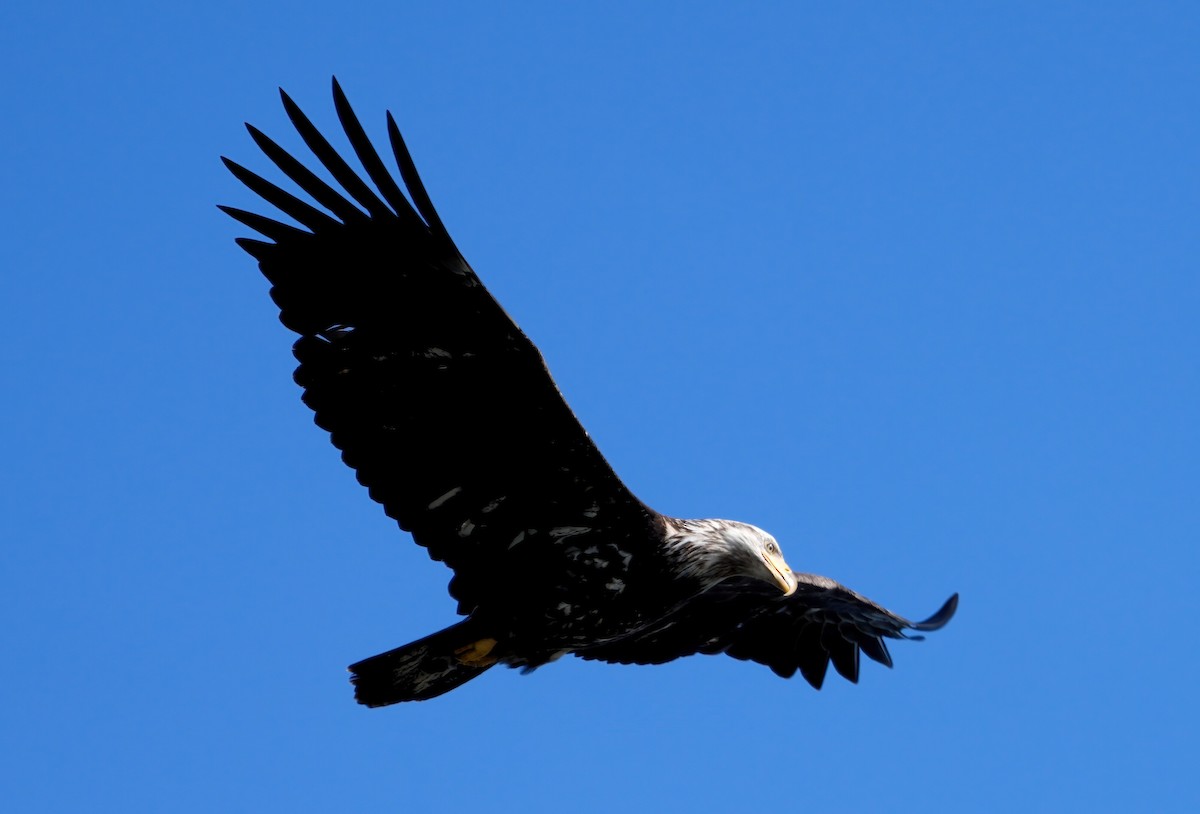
<point x="423" y="669"/>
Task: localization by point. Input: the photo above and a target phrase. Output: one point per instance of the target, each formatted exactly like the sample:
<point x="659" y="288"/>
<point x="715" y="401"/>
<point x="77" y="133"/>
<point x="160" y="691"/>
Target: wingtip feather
<point x="257" y="249"/>
<point x="876" y="650"/>
<point x="939" y="619"/>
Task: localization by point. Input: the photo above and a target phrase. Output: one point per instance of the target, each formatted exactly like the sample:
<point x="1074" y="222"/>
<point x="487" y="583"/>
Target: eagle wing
<point x="821" y="622"/>
<point x="437" y="400"/>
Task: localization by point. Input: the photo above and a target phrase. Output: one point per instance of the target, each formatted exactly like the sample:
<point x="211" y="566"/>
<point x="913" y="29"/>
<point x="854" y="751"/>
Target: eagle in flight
<point x="449" y="417"/>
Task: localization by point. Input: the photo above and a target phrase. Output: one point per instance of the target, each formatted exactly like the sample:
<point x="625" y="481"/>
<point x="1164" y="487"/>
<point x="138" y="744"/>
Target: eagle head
<point x="715" y="550"/>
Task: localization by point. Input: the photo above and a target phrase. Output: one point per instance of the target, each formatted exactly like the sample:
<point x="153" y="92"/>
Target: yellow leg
<point x="475" y="654"/>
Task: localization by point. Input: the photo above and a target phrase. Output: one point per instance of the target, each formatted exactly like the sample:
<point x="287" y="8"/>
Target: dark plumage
<point x="447" y="413"/>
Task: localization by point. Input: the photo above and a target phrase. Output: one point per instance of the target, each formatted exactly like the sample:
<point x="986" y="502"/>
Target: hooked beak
<point x="782" y="574"/>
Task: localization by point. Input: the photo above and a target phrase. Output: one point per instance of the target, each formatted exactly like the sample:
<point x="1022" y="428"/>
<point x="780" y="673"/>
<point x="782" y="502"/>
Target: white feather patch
<point x="444" y="497"/>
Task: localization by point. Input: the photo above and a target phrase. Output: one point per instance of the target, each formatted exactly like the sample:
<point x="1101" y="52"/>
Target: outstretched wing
<point x="748" y="619"/>
<point x="440" y="403"/>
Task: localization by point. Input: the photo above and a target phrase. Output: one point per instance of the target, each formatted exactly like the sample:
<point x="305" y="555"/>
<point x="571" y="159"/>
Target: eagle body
<point x="448" y="415"/>
<point x="594" y="586"/>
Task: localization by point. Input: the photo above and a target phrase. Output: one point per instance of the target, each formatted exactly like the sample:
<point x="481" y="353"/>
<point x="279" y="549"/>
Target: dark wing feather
<point x="439" y="402"/>
<point x="821" y="623"/>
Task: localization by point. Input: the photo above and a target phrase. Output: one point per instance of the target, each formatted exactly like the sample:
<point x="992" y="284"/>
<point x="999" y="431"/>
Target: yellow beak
<point x="783" y="575"/>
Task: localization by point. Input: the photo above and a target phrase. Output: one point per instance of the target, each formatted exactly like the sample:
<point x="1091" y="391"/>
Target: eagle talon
<point x="476" y="654"/>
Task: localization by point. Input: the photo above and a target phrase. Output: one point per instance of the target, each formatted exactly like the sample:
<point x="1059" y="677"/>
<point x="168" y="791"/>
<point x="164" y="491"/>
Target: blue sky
<point x="913" y="286"/>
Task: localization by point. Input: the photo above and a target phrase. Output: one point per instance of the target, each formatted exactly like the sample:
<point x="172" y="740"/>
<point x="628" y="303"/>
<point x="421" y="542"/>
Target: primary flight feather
<point x="449" y="417"/>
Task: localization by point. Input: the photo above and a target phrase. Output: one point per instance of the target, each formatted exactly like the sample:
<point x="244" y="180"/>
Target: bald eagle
<point x="449" y="417"/>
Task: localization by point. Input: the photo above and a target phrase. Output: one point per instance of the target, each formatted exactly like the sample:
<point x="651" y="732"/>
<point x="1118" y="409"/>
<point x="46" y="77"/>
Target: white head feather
<point x="710" y="551"/>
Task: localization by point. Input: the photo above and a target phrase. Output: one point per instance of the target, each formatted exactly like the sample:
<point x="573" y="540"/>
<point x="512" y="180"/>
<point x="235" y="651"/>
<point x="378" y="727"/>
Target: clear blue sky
<point x="913" y="286"/>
